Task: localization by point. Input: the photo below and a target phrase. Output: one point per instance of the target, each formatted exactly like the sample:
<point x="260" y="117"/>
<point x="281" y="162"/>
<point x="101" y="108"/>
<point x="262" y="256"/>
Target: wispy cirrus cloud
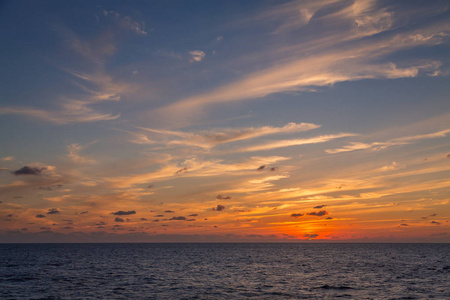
<point x="294" y="142"/>
<point x="211" y="138"/>
<point x="334" y="57"/>
<point x="194" y="167"/>
<point x="95" y="85"/>
<point x="389" y="143"/>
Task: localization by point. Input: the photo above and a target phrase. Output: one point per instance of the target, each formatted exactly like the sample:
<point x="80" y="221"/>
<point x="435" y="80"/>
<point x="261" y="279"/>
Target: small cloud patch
<point x="117" y="219"/>
<point x="53" y="211"/>
<point x="319" y="206"/>
<point x="319" y="214"/>
<point x="39" y="216"/>
<point x="196" y="55"/>
<point x="311" y="236"/>
<point x="29" y="171"/>
<point x="223" y="197"/>
<point x="297" y="215"/>
<point x="123" y="213"/>
<point x="219" y="208"/>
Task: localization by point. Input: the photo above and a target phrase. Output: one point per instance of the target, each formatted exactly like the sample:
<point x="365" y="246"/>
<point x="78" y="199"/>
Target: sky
<point x="225" y="121"/>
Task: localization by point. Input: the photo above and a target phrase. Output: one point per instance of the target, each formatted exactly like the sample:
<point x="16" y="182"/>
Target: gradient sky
<point x="225" y="121"/>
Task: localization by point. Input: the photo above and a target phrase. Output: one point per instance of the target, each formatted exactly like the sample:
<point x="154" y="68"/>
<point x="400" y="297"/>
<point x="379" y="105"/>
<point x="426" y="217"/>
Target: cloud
<point x="222" y="197"/>
<point x="143" y="219"/>
<point x="27" y="170"/>
<point x="219" y="208"/>
<point x="7" y="158"/>
<point x="169" y="211"/>
<point x="181" y="219"/>
<point x="353" y="146"/>
<point x="296" y="142"/>
<point x="123" y="213"/>
<point x="338" y="54"/>
<point x="435" y="222"/>
<point x="94" y="87"/>
<point x="319" y="214"/>
<point x="260" y="168"/>
<point x="72" y="112"/>
<point x="193" y="215"/>
<point x="196" y="55"/>
<point x="40" y="216"/>
<point x="126" y="22"/>
<point x="53" y="211"/>
<point x="74" y="153"/>
<point x="297" y="215"/>
<point x="185" y="169"/>
<point x="319" y="206"/>
<point x="403" y="224"/>
<point x="208" y="139"/>
<point x="311" y="236"/>
<point x="117" y="219"/>
<point x="83" y="212"/>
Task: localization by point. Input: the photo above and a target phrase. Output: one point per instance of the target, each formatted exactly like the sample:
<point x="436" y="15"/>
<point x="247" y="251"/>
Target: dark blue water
<point x="224" y="271"/>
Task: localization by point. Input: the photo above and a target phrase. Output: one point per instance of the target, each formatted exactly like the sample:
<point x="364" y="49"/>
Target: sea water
<point x="224" y="271"/>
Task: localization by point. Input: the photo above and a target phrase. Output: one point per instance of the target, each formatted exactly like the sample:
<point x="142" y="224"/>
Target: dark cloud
<point x="50" y="188"/>
<point x="100" y="226"/>
<point x="117" y="219"/>
<point x="433" y="215"/>
<point x="123" y="213"/>
<point x="29" y="171"/>
<point x="219" y="208"/>
<point x="150" y="186"/>
<point x="329" y="218"/>
<point x="319" y="214"/>
<point x="404" y="224"/>
<point x="181" y="170"/>
<point x="68" y="227"/>
<point x="435" y="222"/>
<point x="193" y="215"/>
<point x="274" y="169"/>
<point x="143" y="219"/>
<point x="169" y="211"/>
<point x="24" y="229"/>
<point x="261" y="168"/>
<point x="101" y="223"/>
<point x="297" y="215"/>
<point x="83" y="212"/>
<point x="156" y="220"/>
<point x="222" y="197"/>
<point x="53" y="211"/>
<point x="311" y="236"/>
<point x="44" y="228"/>
<point x="159" y="216"/>
<point x="319" y="206"/>
<point x="181" y="219"/>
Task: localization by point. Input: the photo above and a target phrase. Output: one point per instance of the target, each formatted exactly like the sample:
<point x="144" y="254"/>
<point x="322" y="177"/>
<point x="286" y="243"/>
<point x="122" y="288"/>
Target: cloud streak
<point x="212" y="138"/>
<point x="393" y="142"/>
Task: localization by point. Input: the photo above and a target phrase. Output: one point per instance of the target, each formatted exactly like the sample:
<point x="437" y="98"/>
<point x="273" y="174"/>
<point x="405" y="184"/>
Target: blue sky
<point x="274" y="110"/>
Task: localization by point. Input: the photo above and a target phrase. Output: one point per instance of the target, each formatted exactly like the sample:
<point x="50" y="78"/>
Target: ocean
<point x="225" y="271"/>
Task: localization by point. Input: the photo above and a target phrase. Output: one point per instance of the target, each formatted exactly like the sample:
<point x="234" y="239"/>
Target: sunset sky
<point x="225" y="121"/>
